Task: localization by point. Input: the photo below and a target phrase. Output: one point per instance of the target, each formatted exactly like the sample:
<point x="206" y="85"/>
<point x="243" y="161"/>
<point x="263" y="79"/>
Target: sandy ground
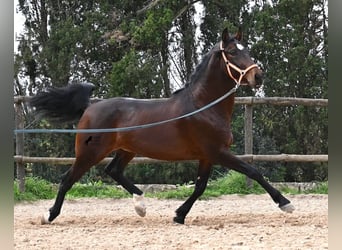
<point x="228" y="222"/>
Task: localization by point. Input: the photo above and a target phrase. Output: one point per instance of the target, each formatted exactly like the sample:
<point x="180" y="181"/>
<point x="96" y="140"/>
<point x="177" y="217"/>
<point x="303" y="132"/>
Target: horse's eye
<point x="232" y="52"/>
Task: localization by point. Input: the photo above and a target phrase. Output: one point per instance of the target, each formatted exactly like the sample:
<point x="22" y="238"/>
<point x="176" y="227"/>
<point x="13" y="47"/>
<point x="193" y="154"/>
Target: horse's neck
<point x="210" y="88"/>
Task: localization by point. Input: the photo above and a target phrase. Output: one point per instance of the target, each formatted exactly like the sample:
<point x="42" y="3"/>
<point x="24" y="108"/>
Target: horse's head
<point x="240" y="66"/>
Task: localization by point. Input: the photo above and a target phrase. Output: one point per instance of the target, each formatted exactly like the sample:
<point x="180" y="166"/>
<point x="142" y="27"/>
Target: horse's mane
<point x="197" y="72"/>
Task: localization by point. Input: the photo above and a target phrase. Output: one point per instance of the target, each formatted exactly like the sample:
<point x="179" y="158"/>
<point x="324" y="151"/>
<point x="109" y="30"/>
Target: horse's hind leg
<point x="228" y="160"/>
<point x="201" y="183"/>
<point x="80" y="166"/>
<point x="115" y="170"/>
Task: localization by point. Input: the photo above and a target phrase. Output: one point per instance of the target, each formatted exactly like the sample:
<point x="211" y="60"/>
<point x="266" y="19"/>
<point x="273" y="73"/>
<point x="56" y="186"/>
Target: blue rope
<point x="124" y="129"/>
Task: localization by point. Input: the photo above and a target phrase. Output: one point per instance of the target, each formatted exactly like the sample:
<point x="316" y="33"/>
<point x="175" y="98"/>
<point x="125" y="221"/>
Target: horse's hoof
<point x="179" y="220"/>
<point x="288" y="208"/>
<point x="141" y="211"/>
<point x="139" y="204"/>
<point x="45" y="219"/>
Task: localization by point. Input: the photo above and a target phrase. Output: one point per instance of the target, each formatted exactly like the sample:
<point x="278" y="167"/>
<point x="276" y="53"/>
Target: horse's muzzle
<point x="259" y="77"/>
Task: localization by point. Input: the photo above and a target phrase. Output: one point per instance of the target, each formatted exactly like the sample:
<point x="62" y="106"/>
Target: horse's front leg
<point x="115" y="170"/>
<point x="226" y="159"/>
<point x="201" y="183"/>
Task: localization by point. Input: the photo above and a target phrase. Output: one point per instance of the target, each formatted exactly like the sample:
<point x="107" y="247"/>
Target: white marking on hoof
<point x="288" y="208"/>
<point x="45" y="219"/>
<point x="139" y="204"/>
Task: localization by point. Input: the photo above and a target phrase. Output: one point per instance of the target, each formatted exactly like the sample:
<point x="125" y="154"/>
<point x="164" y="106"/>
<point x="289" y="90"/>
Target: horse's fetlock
<point x="179" y="219"/>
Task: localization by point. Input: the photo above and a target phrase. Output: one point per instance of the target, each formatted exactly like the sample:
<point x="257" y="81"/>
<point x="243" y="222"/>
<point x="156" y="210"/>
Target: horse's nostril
<point x="259" y="78"/>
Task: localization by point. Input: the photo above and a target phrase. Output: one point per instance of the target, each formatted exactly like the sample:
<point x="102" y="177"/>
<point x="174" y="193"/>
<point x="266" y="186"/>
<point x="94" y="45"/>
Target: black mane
<point x="197" y="72"/>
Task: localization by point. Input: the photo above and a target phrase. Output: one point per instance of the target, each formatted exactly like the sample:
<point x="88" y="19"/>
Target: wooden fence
<point x="248" y="156"/>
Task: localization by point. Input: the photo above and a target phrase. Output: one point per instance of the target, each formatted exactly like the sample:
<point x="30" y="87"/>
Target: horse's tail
<point x="64" y="104"/>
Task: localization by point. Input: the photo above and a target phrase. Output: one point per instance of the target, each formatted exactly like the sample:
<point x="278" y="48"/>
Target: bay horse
<point x="205" y="136"/>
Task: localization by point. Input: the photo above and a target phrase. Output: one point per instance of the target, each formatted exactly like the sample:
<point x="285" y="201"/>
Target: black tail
<point x="64" y="104"/>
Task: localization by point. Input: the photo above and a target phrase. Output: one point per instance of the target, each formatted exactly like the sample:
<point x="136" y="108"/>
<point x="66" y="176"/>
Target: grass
<point x="233" y="183"/>
<point x="40" y="189"/>
<point x="96" y="189"/>
<point x="35" y="189"/>
<point x="320" y="188"/>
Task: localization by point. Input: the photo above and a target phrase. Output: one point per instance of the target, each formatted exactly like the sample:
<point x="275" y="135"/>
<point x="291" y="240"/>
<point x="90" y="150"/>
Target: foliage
<point x="322" y="188"/>
<point x="39" y="189"/>
<point x="293" y="53"/>
<point x="96" y="189"/>
<point x="128" y="76"/>
<point x="233" y="183"/>
<point x="35" y="189"/>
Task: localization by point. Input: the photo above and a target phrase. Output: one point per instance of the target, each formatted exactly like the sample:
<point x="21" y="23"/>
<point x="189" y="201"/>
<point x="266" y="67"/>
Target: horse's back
<point x="123" y="111"/>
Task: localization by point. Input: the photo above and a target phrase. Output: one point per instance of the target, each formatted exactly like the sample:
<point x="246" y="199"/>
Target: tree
<point x="289" y="38"/>
<point x="63" y="42"/>
<point x="152" y="36"/>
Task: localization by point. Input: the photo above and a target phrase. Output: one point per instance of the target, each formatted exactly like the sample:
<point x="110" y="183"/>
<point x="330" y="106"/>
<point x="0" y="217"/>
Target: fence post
<point x="248" y="136"/>
<point x="19" y="140"/>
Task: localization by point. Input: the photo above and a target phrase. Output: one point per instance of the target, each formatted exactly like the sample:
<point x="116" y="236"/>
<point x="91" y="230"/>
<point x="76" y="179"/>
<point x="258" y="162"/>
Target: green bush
<point x="96" y="189"/>
<point x="234" y="183"/>
<point x="322" y="188"/>
<point x="39" y="189"/>
<point x="231" y="183"/>
<point x="35" y="189"/>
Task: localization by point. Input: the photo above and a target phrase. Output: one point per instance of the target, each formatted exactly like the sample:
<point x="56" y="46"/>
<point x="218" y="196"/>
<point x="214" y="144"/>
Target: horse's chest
<point x="220" y="125"/>
<point x="218" y="131"/>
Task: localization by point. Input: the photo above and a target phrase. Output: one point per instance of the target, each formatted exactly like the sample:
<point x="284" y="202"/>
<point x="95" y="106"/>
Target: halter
<point x="230" y="65"/>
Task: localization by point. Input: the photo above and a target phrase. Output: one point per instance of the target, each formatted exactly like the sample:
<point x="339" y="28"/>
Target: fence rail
<point x="138" y="160"/>
<point x="248" y="102"/>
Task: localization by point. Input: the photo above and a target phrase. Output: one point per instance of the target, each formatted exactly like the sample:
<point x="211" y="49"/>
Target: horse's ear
<point x="239" y="35"/>
<point x="225" y="35"/>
